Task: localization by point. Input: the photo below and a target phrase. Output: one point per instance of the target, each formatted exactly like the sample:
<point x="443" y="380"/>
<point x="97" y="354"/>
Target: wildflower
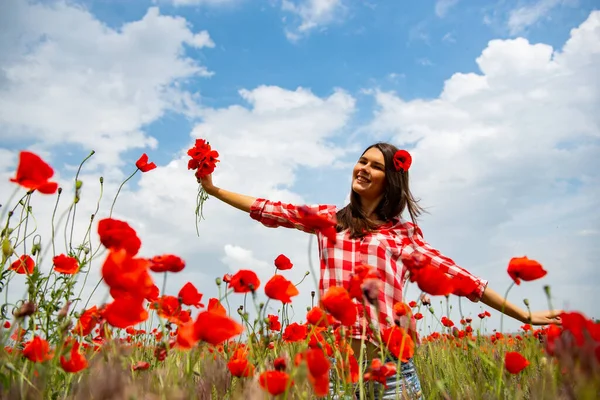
<point x="318" y="368"/>
<point x="379" y="372"/>
<point x="398" y="343"/>
<point x="434" y="281"/>
<point x="295" y="332"/>
<point x="24" y="265"/>
<point x="317" y="316"/>
<point x="515" y="362"/>
<point x="319" y="223"/>
<point x="283" y="263"/>
<point x="275" y="382"/>
<point x="273" y="321"/>
<point x="239" y="365"/>
<point x="125" y="311"/>
<point x="33" y="173"/>
<point x="117" y="235"/>
<point x="279" y="288"/>
<point x="37" y="350"/>
<point x="87" y="322"/>
<point x="338" y="303"/>
<point x="359" y="275"/>
<point x="140" y="366"/>
<point x="522" y="268"/>
<point x="76" y="362"/>
<point x="143" y="165"/>
<point x="190" y="296"/>
<point x="166" y="263"/>
<point x="65" y="264"/>
<point x="244" y="281"/>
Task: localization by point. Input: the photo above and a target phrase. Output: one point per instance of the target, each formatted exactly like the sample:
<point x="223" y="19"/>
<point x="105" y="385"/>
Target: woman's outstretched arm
<point x="497" y="302"/>
<point x="239" y="201"/>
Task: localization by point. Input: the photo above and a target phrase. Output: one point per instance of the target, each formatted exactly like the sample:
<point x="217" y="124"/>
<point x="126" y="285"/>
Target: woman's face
<point x="368" y="175"/>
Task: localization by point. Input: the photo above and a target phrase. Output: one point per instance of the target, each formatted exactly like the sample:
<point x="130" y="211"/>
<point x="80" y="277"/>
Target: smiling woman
<point x="372" y="245"/>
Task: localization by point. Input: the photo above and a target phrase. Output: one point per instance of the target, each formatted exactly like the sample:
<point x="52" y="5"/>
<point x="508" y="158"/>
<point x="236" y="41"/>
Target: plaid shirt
<point x="380" y="249"/>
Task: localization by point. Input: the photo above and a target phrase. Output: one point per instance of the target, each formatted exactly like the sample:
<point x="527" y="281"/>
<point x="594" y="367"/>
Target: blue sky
<point x="485" y="95"/>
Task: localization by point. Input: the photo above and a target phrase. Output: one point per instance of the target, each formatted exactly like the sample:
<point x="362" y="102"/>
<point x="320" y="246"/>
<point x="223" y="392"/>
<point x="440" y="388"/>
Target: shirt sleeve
<point x="435" y="258"/>
<point x="274" y="214"/>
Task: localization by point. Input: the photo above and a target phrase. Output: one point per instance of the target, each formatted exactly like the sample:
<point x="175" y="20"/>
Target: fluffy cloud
<point x="89" y="84"/>
<point x="506" y="160"/>
<point x="312" y="14"/>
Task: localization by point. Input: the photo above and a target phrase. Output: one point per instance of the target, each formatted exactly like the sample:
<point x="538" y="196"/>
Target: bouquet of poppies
<point x="203" y="159"/>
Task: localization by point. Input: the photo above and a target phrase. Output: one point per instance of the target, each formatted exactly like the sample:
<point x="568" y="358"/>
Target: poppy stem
<point x="119" y="191"/>
<point x="10" y="199"/>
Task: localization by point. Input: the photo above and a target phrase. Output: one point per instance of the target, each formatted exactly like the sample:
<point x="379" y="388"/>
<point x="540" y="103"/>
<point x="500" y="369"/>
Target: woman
<point x="370" y="231"/>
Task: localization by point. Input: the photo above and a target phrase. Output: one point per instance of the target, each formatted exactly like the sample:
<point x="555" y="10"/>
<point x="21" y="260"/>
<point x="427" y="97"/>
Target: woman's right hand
<point x="207" y="184"/>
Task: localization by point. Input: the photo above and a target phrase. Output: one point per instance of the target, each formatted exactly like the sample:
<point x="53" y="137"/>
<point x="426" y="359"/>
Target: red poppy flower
<point x="434" y="281"/>
<point x="239" y="365"/>
<point x="76" y="362"/>
<point x="37" y="350"/>
<point x="127" y="276"/>
<point x="24" y="265"/>
<point x="402" y="160"/>
<point x="324" y="224"/>
<point x="399" y="343"/>
<point x="338" y="303"/>
<point x="65" y="264"/>
<point x="214" y="328"/>
<point x="244" y="281"/>
<point x="379" y="372"/>
<point x="190" y="296"/>
<point x="87" y="322"/>
<point x="124" y="312"/>
<point x="295" y="332"/>
<point x="143" y="165"/>
<point x="279" y="288"/>
<point x="360" y="274"/>
<point x="275" y="382"/>
<point x="116" y="235"/>
<point x="274" y="324"/>
<point x="318" y="368"/>
<point x="33" y="173"/>
<point x="140" y="366"/>
<point x="166" y="263"/>
<point x="525" y="269"/>
<point x="317" y="316"/>
<point x="283" y="263"/>
<point x="515" y="362"/>
<point x="203" y="158"/>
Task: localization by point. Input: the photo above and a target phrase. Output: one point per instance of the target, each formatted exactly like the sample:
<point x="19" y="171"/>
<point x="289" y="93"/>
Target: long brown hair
<point x="396" y="198"/>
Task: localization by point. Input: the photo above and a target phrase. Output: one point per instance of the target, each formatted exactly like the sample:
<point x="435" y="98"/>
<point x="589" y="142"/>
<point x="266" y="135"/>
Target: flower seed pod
<point x="26" y="309"/>
<point x="7" y="249"/>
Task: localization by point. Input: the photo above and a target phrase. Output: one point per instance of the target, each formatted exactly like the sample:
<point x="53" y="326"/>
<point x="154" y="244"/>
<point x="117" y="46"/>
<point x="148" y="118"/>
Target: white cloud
<point x="89" y="84"/>
<point x="507" y="162"/>
<point x="312" y="14"/>
<point x="523" y="17"/>
<point x="443" y="6"/>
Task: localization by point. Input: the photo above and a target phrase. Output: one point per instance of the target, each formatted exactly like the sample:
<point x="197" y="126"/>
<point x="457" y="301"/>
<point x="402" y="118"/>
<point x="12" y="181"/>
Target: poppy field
<point x="145" y="343"/>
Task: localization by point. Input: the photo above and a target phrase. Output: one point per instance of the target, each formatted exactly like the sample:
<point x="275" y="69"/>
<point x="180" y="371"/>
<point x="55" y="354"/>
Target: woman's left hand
<point x="544" y="317"/>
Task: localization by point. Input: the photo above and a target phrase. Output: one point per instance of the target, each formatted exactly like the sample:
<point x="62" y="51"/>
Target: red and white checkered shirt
<point x="380" y="249"/>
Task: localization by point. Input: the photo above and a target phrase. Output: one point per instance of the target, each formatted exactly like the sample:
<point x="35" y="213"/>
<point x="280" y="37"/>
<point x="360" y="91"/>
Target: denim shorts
<point x="405" y="386"/>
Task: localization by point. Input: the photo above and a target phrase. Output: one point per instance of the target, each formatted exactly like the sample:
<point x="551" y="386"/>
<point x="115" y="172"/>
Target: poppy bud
<point x="218" y="281"/>
<point x="101" y="179"/>
<point x="431" y="310"/>
<point x="547" y="290"/>
<point x="78" y="184"/>
<point x="86" y="250"/>
<point x="7" y="249"/>
<point x="59" y="190"/>
<point x="26" y="309"/>
<point x="526" y="302"/>
<point x="64" y="310"/>
<point x="35" y="249"/>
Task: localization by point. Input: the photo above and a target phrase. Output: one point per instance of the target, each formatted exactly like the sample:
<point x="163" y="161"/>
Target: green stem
<point x="119" y="191"/>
